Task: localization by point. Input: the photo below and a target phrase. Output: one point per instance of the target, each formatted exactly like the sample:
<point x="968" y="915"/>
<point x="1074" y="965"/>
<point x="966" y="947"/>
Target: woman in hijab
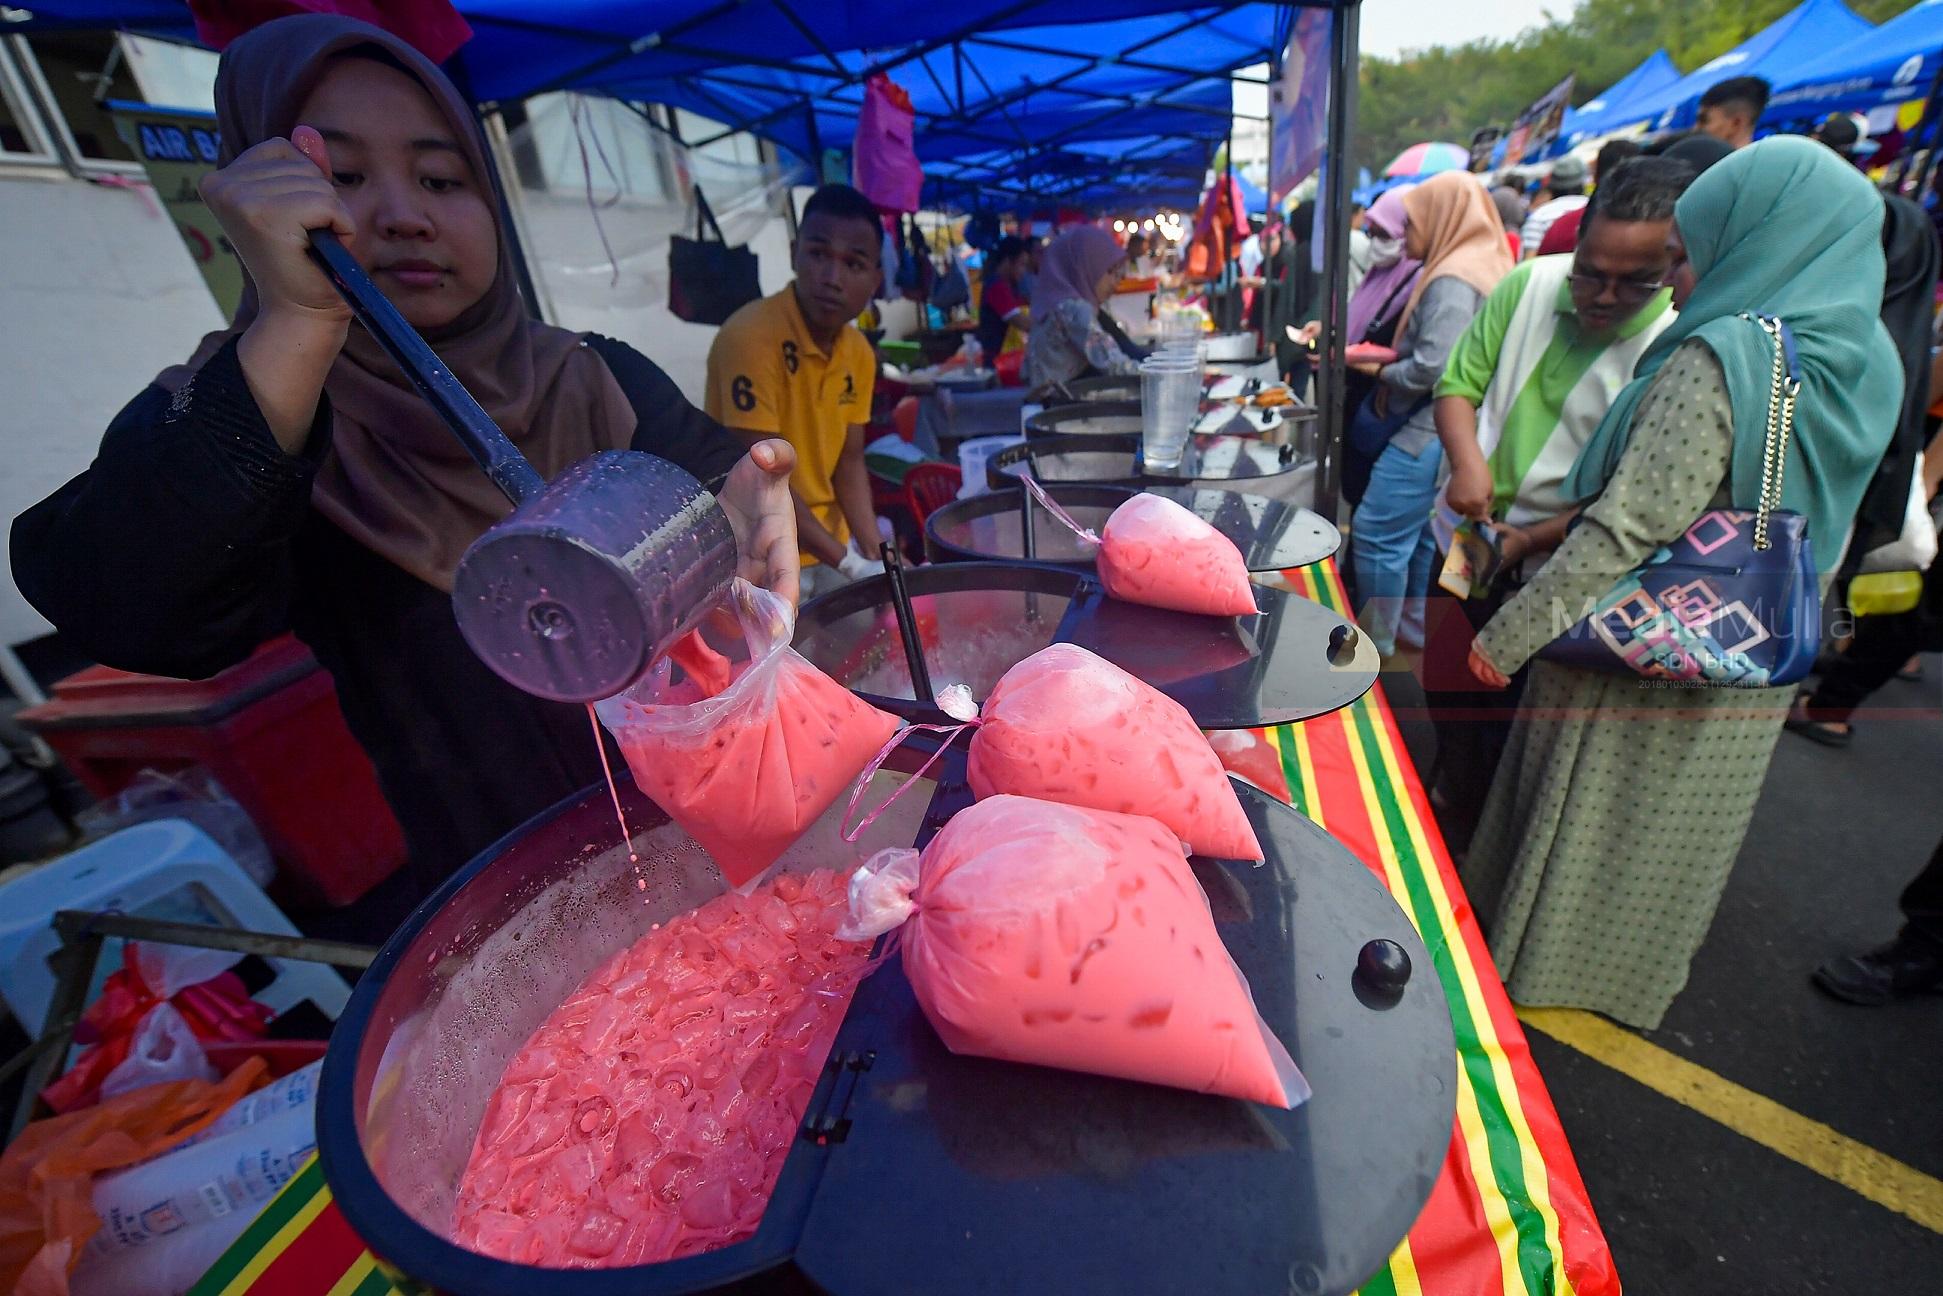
<point x="288" y="478"/>
<point x="1453" y="229"/>
<point x="1618" y="810"/>
<point x="1373" y="312"/>
<point x="1076" y="274"/>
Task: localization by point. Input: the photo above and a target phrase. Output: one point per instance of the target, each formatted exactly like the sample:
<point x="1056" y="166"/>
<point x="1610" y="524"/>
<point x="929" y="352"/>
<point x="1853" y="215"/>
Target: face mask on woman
<point x="1385" y="251"/>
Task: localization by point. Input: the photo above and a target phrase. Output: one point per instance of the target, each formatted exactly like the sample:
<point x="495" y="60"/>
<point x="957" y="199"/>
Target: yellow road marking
<point x="1829" y="1153"/>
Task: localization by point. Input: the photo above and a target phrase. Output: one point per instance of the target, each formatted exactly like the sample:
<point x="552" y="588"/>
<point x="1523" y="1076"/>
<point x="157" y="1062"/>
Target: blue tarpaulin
<point x="1607" y="112"/>
<point x="1776" y="53"/>
<point x="992" y="80"/>
<point x="1894" y="63"/>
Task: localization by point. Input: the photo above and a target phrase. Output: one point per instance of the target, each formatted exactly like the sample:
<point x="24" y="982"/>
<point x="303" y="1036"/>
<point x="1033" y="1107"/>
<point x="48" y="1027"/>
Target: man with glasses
<point x="1534" y="373"/>
<point x="1523" y="391"/>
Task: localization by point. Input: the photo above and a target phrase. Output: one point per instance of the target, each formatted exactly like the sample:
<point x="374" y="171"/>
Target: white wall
<point x="97" y="294"/>
<point x="584" y="291"/>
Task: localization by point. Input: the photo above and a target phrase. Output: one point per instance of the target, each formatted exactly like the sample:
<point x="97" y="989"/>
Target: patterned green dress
<point x="1621" y="802"/>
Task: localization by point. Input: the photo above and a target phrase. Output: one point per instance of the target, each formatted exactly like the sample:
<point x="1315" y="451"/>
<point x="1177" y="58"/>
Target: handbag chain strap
<point x="1781" y="424"/>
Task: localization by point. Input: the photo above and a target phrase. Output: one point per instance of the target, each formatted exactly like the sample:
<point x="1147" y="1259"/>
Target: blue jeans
<point x="1391" y="547"/>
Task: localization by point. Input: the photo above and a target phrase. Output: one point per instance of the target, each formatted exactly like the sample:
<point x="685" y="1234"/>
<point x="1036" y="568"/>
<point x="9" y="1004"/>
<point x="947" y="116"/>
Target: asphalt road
<point x="1690" y="1206"/>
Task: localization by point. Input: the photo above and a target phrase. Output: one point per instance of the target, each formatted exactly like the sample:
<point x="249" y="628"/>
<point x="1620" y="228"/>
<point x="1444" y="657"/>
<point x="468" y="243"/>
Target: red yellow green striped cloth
<point x="1508" y="1216"/>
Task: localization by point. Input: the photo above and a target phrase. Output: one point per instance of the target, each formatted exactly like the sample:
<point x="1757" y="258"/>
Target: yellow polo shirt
<point x="767" y="376"/>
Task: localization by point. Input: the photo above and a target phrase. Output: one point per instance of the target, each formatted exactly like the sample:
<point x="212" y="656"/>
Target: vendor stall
<point x="1357" y="1111"/>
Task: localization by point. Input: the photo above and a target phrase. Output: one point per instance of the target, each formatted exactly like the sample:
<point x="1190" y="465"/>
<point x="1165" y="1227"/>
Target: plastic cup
<point x="1170" y="402"/>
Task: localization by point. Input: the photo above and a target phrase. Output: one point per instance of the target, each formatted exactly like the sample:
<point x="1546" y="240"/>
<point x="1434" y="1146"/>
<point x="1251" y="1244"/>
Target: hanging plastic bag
<point x="883" y="158"/>
<point x="744" y="770"/>
<point x="1156" y="552"/>
<point x="205" y="999"/>
<point x="1064" y="937"/>
<point x="708" y="281"/>
<point x="1069" y="726"/>
<point x="47" y="1174"/>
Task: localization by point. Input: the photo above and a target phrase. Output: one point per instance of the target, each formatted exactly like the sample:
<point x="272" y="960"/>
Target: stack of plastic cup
<point x="1170" y="403"/>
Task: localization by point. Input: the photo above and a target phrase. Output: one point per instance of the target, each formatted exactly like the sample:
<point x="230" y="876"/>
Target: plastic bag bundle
<point x="1156" y="552"/>
<point x="151" y="1020"/>
<point x="1072" y="938"/>
<point x="744" y="770"/>
<point x="1065" y="725"/>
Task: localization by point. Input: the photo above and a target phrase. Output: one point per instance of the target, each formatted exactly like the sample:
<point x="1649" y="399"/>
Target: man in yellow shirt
<point x="793" y="366"/>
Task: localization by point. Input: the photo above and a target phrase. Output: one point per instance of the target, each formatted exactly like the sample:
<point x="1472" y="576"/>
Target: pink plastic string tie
<point x="877" y="763"/>
<point x="1051" y="506"/>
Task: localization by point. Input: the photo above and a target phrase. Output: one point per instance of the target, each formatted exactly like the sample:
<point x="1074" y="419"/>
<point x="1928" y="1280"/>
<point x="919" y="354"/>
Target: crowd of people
<point x="1576" y="380"/>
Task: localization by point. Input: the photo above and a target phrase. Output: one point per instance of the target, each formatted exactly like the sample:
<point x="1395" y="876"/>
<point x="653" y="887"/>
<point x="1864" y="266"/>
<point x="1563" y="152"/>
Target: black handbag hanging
<point x="708" y="280"/>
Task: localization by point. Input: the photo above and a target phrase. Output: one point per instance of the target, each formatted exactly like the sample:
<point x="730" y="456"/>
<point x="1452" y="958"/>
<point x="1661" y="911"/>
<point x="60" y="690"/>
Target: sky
<point x="1392" y="26"/>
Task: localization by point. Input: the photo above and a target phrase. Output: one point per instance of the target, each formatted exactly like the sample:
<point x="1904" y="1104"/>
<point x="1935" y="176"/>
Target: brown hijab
<point x="1454" y="230"/>
<point x="395" y="479"/>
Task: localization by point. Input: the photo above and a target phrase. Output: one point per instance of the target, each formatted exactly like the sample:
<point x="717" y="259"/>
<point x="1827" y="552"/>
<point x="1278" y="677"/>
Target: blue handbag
<point x="1735" y="601"/>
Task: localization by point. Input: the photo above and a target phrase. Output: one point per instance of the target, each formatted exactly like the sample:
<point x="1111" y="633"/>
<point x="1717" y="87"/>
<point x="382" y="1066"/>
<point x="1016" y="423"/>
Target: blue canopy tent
<point x="1604" y="113"/>
<point x="1776" y="52"/>
<point x="1006" y="91"/>
<point x="1892" y="64"/>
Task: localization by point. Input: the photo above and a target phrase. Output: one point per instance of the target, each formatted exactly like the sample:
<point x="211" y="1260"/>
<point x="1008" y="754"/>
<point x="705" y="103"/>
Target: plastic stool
<point x="167" y="869"/>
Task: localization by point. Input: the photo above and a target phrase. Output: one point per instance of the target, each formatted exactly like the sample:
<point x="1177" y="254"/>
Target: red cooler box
<point x="270" y="730"/>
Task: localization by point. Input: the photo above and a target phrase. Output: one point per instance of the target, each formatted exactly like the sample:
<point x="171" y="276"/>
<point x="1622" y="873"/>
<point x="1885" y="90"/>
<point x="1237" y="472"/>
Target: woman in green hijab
<point x="1621" y="803"/>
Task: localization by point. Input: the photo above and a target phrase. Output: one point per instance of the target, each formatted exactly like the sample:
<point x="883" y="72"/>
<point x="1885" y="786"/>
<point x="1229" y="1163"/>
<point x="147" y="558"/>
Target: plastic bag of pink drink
<point x="1156" y="552"/>
<point x="1072" y="938"/>
<point x="744" y="770"/>
<point x="1066" y="725"/>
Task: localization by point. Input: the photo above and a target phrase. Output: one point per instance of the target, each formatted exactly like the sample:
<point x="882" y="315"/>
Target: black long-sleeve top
<point x="191" y="539"/>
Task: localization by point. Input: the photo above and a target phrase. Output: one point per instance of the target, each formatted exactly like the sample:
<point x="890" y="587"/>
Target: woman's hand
<point x="756" y="498"/>
<point x="268" y="201"/>
<point x="1369" y="368"/>
<point x="1470" y="491"/>
<point x="1307" y="334"/>
<point x="1486" y="673"/>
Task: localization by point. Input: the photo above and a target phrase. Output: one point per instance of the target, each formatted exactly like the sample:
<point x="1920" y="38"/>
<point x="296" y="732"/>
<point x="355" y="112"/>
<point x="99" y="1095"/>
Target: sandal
<point x="1912" y="672"/>
<point x="1828" y="735"/>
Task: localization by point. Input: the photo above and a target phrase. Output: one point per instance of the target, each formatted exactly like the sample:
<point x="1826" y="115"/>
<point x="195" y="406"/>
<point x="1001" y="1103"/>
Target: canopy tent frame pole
<point x="1343" y="33"/>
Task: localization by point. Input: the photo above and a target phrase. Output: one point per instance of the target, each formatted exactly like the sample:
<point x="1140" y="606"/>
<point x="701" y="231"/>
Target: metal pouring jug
<point x="596" y="573"/>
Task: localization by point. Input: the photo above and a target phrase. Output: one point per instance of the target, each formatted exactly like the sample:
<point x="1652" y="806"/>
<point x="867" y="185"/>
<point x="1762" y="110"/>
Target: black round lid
<point x="1294" y="659"/>
<point x="1272" y="535"/>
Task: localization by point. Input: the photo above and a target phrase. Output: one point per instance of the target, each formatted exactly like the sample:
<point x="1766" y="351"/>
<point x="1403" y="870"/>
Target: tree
<point x="1448" y="93"/>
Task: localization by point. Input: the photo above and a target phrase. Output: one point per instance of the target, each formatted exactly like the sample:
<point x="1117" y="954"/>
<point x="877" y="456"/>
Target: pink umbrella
<point x="1428" y="159"/>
